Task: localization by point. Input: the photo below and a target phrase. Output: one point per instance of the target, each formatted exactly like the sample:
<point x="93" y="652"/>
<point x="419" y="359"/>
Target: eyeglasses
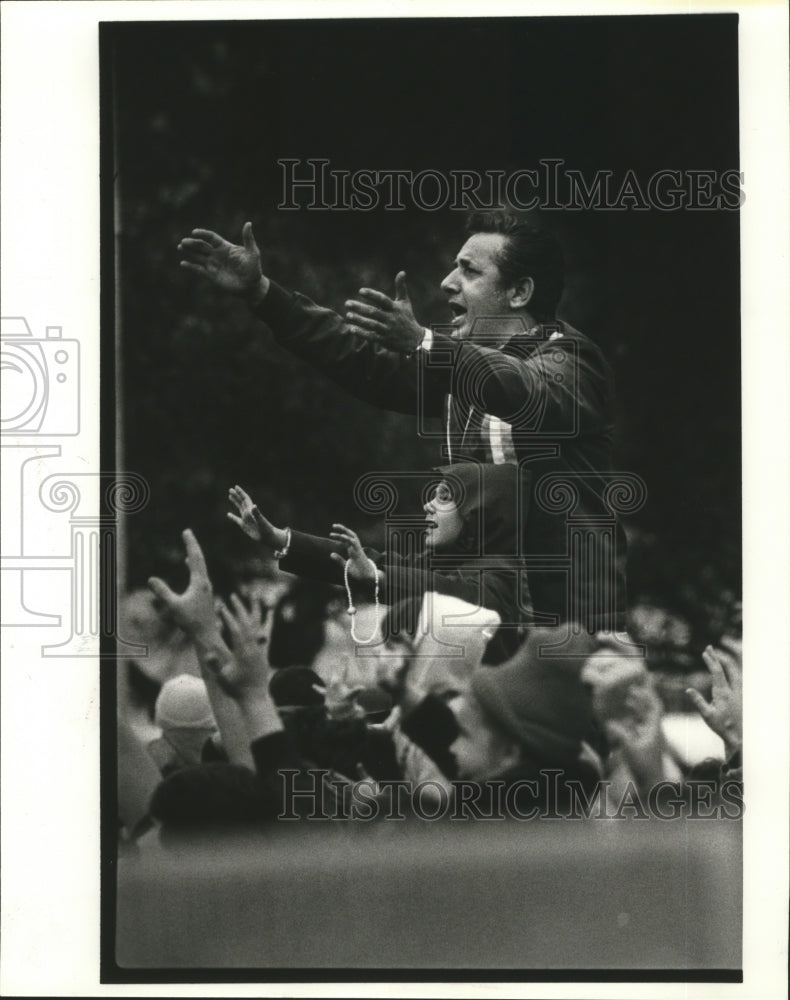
<point x="443" y="493"/>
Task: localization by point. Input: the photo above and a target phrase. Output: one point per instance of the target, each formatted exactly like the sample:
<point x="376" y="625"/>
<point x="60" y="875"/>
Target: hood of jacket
<point x="493" y="501"/>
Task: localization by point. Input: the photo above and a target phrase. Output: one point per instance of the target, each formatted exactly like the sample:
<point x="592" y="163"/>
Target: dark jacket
<point x="545" y="401"/>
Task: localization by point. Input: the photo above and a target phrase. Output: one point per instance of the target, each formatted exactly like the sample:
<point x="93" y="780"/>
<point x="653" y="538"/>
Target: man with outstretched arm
<point x="511" y="382"/>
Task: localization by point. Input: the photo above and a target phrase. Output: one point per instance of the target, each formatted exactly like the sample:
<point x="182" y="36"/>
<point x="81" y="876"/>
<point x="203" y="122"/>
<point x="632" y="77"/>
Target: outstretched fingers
<point x="702" y="706"/>
<point x="210" y="237"/>
<point x="401" y="290"/>
<point x="243" y="617"/>
<point x="355" y="328"/>
<point x="364" y="323"/>
<point x="248" y="237"/>
<point x="239" y="495"/>
<point x="363" y="309"/>
<point x="719" y="672"/>
<point x="195" y="248"/>
<point x="161" y="590"/>
<point x="343" y="534"/>
<point x="190" y="266"/>
<point x="230" y="623"/>
<point x="195" y="560"/>
<point x="375" y="298"/>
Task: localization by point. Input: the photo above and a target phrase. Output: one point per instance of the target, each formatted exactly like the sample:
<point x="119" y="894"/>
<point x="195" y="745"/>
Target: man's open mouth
<point x="458" y="312"/>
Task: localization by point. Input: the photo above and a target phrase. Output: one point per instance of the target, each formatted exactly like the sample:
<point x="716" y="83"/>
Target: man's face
<point x="444" y="522"/>
<point x="479" y="751"/>
<point x="474" y="287"/>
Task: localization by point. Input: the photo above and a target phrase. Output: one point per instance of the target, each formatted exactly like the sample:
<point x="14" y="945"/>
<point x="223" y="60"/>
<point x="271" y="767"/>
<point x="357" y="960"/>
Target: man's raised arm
<point x="367" y="369"/>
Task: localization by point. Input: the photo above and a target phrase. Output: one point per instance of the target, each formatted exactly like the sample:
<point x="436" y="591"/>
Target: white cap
<point x="183" y="703"/>
<point x="452" y="637"/>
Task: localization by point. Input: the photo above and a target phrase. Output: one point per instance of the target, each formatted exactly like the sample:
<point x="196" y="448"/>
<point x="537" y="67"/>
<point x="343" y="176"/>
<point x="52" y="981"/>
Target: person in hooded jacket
<point x="470" y="551"/>
<point x="511" y="381"/>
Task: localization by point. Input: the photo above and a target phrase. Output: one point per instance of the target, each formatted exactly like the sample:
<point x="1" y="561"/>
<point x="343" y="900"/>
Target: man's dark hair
<point x="528" y="253"/>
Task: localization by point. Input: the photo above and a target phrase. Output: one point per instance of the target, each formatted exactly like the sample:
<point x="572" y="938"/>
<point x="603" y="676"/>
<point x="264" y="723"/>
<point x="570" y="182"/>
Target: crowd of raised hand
<point x="241" y="738"/>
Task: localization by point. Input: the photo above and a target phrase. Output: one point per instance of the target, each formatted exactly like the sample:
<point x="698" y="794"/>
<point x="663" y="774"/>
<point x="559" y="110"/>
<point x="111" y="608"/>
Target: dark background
<point x="202" y="113"/>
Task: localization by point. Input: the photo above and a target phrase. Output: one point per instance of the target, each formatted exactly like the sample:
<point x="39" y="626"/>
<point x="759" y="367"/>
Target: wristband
<point x="283" y="552"/>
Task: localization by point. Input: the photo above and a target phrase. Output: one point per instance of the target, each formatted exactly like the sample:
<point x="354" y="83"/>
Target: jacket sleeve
<point x="560" y="386"/>
<point x="404" y="581"/>
<point x="309" y="556"/>
<point x="383" y="378"/>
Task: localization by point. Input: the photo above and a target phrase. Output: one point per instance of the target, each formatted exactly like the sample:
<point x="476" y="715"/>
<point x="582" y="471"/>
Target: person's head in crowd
<point x="331" y="724"/>
<point x="338" y="657"/>
<point x="506" y="269"/>
<point x="183" y="713"/>
<point x="533" y="710"/>
<point x="208" y="799"/>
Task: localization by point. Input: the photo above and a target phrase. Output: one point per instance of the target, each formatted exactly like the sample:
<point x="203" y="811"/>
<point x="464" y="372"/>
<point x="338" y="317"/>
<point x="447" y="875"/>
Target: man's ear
<point x="521" y="293"/>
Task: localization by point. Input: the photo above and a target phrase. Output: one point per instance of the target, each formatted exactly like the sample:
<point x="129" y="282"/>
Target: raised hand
<point x="248" y="670"/>
<point x="252" y="522"/>
<point x="340" y="700"/>
<point x="361" y="567"/>
<point x="389" y="322"/>
<point x="724" y="712"/>
<point x="235" y="269"/>
<point x="194" y="609"/>
<point x="640" y="736"/>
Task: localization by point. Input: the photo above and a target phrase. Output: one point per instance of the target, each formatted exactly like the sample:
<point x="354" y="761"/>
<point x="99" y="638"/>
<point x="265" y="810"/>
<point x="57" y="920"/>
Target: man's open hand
<point x="389" y="322"/>
<point x="194" y="609"/>
<point x="235" y="269"/>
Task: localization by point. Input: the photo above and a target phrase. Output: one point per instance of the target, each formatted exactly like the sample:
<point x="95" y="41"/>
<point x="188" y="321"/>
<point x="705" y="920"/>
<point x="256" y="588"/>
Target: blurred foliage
<point x="202" y="113"/>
